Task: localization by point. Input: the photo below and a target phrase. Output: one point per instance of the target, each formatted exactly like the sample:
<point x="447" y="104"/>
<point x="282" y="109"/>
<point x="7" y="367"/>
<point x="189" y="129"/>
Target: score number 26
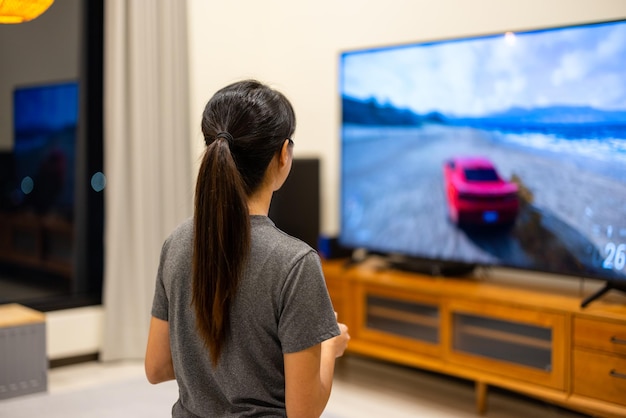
<point x="615" y="256"/>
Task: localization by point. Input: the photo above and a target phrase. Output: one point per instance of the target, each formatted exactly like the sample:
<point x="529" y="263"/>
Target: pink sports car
<point x="477" y="195"/>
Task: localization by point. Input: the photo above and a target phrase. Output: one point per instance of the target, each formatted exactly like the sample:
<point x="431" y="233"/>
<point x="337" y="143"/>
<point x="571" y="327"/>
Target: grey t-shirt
<point x="282" y="306"/>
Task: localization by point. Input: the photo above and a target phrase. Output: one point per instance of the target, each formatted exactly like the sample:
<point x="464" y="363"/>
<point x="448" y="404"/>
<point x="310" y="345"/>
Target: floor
<point x="362" y="388"/>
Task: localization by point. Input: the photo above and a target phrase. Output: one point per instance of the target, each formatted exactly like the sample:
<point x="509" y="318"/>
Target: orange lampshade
<point x="18" y="11"/>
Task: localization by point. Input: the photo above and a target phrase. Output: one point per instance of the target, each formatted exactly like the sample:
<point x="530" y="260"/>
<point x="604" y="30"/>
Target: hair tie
<point x="225" y="135"/>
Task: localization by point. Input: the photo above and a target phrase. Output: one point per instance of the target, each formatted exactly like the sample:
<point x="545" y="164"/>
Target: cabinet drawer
<point x="600" y="376"/>
<point x="600" y="335"/>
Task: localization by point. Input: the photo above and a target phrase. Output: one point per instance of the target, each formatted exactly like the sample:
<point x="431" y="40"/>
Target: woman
<point x="241" y="316"/>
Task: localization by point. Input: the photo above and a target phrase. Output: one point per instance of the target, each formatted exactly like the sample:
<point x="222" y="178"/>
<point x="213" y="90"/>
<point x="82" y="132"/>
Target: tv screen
<point x="501" y="150"/>
<point x="45" y="129"/>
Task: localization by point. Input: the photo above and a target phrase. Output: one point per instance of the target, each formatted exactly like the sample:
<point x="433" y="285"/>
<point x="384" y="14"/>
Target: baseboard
<point x="68" y="361"/>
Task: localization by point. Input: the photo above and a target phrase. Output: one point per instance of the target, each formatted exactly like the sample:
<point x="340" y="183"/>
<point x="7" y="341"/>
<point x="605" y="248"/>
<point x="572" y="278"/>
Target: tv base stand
<point x="431" y="268"/>
<point x="610" y="285"/>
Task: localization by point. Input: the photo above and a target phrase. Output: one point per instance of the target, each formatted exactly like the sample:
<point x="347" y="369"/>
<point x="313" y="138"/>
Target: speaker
<point x="295" y="207"/>
<point x="329" y="248"/>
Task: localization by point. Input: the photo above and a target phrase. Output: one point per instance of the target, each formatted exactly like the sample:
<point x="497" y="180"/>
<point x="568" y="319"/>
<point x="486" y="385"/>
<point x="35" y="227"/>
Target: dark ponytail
<point x="244" y="126"/>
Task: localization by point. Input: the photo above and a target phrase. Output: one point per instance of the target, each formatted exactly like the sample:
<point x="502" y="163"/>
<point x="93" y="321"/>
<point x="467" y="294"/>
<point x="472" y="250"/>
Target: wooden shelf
<point x="508" y="337"/>
<point x="407" y="317"/>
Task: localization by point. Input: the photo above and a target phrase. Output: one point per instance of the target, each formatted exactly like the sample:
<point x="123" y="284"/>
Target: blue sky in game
<point x="578" y="66"/>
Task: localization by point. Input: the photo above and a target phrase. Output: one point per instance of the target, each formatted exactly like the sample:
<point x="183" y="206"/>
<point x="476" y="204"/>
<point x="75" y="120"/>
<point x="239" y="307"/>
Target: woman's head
<point x="256" y="120"/>
<point x="245" y="125"/>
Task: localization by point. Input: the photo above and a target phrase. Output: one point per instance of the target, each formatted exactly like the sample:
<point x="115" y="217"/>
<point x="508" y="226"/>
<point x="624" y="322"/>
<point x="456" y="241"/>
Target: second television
<point x="500" y="150"/>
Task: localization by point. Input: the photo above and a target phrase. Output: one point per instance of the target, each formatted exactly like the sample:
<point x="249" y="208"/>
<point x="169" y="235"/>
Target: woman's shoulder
<point x="185" y="228"/>
<point x="266" y="228"/>
<point x="182" y="233"/>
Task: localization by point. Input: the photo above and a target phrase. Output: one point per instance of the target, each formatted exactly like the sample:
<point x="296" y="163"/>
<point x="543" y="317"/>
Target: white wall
<point x="295" y="46"/>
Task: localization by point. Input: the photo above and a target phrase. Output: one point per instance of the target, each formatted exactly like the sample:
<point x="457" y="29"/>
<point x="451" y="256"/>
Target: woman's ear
<point x="285" y="158"/>
<point x="286" y="153"/>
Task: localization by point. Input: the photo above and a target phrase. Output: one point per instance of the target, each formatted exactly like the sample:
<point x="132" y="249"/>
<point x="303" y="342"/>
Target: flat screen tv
<point x="500" y="150"/>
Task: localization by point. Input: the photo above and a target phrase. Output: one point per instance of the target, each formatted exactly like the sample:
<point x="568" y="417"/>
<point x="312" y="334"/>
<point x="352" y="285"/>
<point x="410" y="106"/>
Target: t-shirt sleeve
<point x="160" y="301"/>
<point x="307" y="317"/>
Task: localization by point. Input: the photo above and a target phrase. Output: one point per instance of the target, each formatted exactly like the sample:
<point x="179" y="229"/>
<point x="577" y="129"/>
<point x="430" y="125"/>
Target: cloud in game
<point x="579" y="66"/>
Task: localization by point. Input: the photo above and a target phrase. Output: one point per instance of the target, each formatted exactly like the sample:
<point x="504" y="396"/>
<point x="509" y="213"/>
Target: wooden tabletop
<point x="14" y="314"/>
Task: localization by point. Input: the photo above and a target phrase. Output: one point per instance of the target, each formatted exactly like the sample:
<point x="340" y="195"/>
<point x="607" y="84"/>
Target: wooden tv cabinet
<point x="539" y="343"/>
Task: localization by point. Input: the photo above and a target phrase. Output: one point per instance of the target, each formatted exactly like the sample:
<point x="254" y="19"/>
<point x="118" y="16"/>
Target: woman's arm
<point x="309" y="376"/>
<point x="158" y="362"/>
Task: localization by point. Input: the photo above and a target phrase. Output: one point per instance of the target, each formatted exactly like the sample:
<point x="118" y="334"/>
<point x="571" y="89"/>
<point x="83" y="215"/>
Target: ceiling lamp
<point x="19" y="11"/>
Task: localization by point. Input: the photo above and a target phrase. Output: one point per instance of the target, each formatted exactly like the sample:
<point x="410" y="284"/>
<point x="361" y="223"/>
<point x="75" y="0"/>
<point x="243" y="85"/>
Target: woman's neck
<point x="275" y="176"/>
<point x="259" y="203"/>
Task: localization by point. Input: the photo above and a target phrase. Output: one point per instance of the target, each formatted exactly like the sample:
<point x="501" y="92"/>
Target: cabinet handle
<point x="615" y="373"/>
<point x="616" y="340"/>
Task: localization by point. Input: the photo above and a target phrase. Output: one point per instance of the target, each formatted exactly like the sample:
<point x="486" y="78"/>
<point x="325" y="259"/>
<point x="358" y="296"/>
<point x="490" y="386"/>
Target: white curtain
<point x="146" y="156"/>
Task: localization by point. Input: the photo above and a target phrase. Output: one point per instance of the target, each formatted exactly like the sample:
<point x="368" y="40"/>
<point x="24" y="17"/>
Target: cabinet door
<point x="522" y="343"/>
<point x="399" y="318"/>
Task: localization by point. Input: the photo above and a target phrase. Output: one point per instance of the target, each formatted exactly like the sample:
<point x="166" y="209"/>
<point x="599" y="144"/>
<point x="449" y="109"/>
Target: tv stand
<point x="535" y="341"/>
<point x="610" y="285"/>
<point x="413" y="265"/>
<point x="430" y="267"/>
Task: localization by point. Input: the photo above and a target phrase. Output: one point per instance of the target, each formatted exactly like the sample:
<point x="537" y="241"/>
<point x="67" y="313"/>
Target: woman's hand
<point x="338" y="344"/>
